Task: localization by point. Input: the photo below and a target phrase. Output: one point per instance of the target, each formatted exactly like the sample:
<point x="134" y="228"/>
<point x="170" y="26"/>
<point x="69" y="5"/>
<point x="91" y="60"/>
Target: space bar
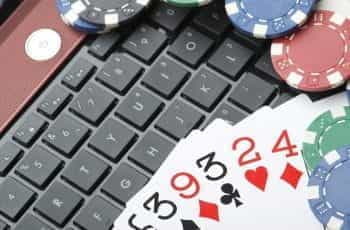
<point x="34" y="42"/>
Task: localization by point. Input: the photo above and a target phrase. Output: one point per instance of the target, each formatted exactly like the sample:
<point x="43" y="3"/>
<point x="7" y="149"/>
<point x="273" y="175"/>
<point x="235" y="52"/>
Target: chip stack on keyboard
<point x="297" y="28"/>
<point x="96" y="16"/>
<point x="310" y="47"/>
<point x="317" y="57"/>
<point x="268" y="18"/>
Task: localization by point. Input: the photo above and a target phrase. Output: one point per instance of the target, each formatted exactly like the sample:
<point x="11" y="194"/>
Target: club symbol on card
<point x="291" y="175"/>
<point x="208" y="210"/>
<point x="257" y="177"/>
<point x="189" y="225"/>
<point x="231" y="194"/>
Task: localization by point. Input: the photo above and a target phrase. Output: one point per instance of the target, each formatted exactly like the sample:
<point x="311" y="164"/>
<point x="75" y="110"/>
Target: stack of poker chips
<point x="96" y="16"/>
<point x="326" y="153"/>
<point x="310" y="38"/>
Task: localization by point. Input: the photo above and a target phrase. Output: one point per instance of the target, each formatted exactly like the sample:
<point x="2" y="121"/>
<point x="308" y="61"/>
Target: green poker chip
<point x="328" y="132"/>
<point x="188" y="3"/>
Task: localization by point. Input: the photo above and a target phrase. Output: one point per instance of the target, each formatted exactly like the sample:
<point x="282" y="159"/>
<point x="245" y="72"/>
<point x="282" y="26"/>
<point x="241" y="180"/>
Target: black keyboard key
<point x="145" y="43"/>
<point x="252" y="92"/>
<point x="179" y="120"/>
<point x="228" y="113"/>
<point x="4" y="226"/>
<point x="139" y="108"/>
<point x="124" y="183"/>
<point x="30" y="222"/>
<point x="165" y="77"/>
<point x="93" y="104"/>
<point x="59" y="204"/>
<point x="9" y="156"/>
<point x="99" y="214"/>
<point x="30" y="130"/>
<point x="54" y="102"/>
<point x="15" y="198"/>
<point x="191" y="46"/>
<point x="213" y="18"/>
<point x="119" y="73"/>
<point x="248" y="40"/>
<point x="206" y="89"/>
<point x="79" y="73"/>
<point x="39" y="167"/>
<point x="281" y="99"/>
<point x="169" y="17"/>
<point x="104" y="44"/>
<point x="112" y="140"/>
<point x="231" y="58"/>
<point x="66" y="135"/>
<point x="264" y="65"/>
<point x="85" y="172"/>
<point x="151" y="151"/>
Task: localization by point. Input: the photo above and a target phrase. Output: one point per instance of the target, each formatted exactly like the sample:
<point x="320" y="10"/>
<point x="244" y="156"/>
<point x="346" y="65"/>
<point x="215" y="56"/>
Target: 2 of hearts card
<point x="248" y="176"/>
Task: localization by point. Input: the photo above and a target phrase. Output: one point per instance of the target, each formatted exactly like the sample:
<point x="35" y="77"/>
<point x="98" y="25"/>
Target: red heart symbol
<point x="257" y="177"/>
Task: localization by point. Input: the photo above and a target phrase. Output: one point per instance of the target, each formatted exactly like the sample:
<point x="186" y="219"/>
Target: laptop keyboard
<point x="108" y="120"/>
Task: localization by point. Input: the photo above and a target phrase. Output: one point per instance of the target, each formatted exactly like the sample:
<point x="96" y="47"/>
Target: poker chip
<point x="188" y="3"/>
<point x="329" y="188"/>
<point x="316" y="58"/>
<point x="108" y="13"/>
<point x="326" y="133"/>
<point x="72" y="19"/>
<point x="268" y="18"/>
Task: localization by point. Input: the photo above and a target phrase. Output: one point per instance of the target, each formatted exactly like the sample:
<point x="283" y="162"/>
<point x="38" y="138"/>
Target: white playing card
<point x="179" y="157"/>
<point x="293" y="116"/>
<point x="250" y="194"/>
<point x="135" y="215"/>
<point x="273" y="208"/>
<point x="282" y="205"/>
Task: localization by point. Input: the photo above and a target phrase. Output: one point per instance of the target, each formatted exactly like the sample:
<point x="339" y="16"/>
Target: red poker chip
<point x="316" y="58"/>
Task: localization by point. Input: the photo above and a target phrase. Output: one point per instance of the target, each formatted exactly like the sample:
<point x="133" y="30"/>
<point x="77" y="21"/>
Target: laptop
<point x="86" y="120"/>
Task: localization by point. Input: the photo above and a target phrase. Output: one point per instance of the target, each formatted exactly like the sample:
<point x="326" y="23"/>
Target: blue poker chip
<point x="269" y="18"/>
<point x="329" y="190"/>
<point x="72" y="19"/>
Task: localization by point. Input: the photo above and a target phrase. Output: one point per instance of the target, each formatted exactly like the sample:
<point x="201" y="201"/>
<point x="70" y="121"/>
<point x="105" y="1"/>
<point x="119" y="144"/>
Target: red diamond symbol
<point x="292" y="175"/>
<point x="208" y="210"/>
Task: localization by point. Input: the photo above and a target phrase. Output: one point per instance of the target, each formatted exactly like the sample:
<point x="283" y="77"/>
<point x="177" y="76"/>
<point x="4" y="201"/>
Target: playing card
<point x="137" y="215"/>
<point x="180" y="161"/>
<point x="245" y="177"/>
<point x="281" y="175"/>
<point x="260" y="188"/>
